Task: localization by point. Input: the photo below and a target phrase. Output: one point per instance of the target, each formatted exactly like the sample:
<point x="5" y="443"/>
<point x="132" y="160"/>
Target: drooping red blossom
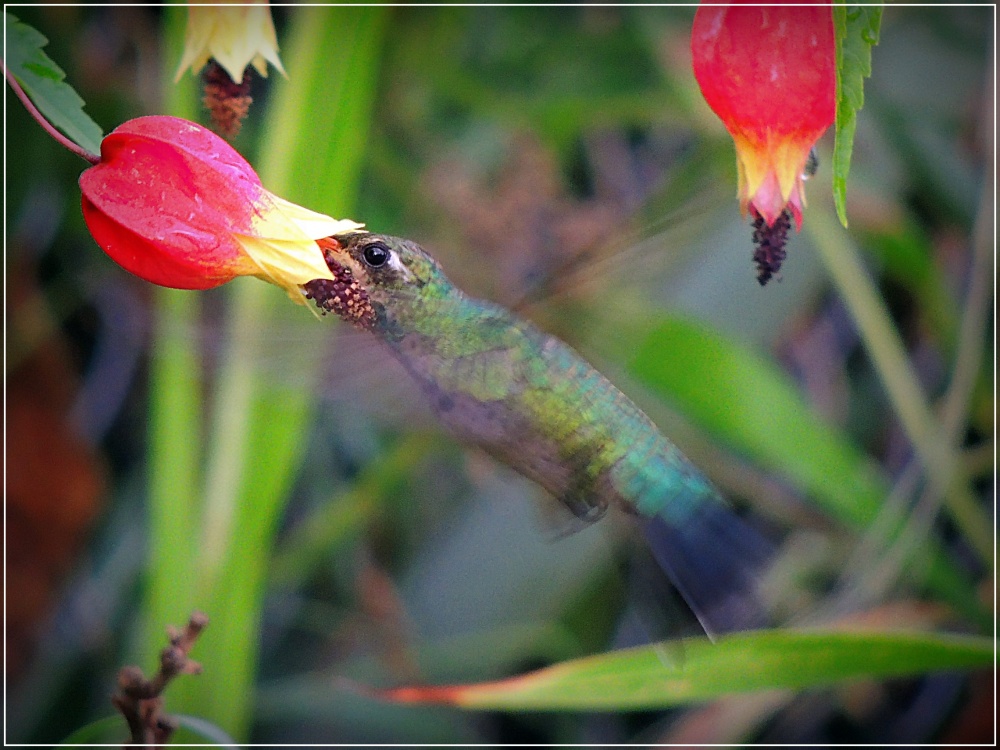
<point x="176" y="205"/>
<point x="769" y="73"/>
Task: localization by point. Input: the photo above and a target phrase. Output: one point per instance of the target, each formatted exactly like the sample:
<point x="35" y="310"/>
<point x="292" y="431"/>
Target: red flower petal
<point x="166" y="199"/>
<point x="146" y="258"/>
<point x="767" y="70"/>
<point x="769" y="73"/>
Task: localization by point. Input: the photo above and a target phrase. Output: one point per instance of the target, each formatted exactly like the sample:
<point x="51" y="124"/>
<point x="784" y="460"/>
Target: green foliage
<point x="553" y="73"/>
<point x="649" y="677"/>
<point x="334" y="545"/>
<point x="747" y="402"/>
<point x="111" y="730"/>
<point x="258" y="426"/>
<point x="43" y="81"/>
<point x="857" y="29"/>
<point x="107" y="730"/>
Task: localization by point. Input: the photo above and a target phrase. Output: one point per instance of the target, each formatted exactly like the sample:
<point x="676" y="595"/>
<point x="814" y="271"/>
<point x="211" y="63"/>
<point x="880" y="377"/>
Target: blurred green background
<point x="226" y="451"/>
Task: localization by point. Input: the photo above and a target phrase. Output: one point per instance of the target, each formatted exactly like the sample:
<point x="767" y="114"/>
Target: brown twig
<point x="140" y="700"/>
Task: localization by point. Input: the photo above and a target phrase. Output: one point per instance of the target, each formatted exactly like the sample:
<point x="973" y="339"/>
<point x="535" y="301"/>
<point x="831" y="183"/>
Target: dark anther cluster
<point x="227" y="101"/>
<point x="769" y="243"/>
<point x="342" y="295"/>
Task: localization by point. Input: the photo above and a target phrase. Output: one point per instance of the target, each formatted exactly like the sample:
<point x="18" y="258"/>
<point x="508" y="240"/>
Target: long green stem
<point x="174" y="467"/>
<point x="975" y="313"/>
<point x="260" y="423"/>
<point x="843" y="262"/>
<point x="175" y="440"/>
<point x="228" y="437"/>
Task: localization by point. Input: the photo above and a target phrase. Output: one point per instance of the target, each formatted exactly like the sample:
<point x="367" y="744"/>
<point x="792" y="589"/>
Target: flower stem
<point x="979" y="293"/>
<point x="47" y="126"/>
<point x="843" y="262"/>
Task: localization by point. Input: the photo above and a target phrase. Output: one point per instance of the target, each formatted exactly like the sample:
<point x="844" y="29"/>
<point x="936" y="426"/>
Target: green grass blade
<point x="884" y="344"/>
<point x="317" y="125"/>
<point x="174" y="469"/>
<point x="175" y="427"/>
<point x="112" y="730"/>
<point x="749" y="403"/>
<point x="651" y="677"/>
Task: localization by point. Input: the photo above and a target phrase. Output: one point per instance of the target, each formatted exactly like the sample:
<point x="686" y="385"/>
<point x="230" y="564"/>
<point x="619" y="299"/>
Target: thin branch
<point x="845" y="266"/>
<point x="140" y="700"/>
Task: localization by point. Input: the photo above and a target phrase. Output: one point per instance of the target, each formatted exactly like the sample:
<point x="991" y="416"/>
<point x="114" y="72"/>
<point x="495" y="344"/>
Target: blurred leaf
<point x="749" y="403"/>
<point x="43" y="81"/>
<point x="114" y="730"/>
<point x="752" y="405"/>
<point x="857" y="30"/>
<point x="110" y="729"/>
<point x="195" y="730"/>
<point x="341" y="518"/>
<point x="258" y="426"/>
<point x="907" y="257"/>
<point x="644" y="678"/>
<point x="316" y="133"/>
<point x="558" y="72"/>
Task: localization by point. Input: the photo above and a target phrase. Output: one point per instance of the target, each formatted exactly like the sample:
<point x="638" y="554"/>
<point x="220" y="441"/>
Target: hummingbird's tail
<point x="715" y="559"/>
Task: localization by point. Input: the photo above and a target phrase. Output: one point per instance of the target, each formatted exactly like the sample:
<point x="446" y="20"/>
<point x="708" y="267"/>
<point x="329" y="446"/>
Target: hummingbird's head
<point x="375" y="276"/>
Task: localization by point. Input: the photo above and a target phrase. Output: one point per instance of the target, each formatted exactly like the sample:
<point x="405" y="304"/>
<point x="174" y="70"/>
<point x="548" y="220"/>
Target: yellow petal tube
<point x="770" y="174"/>
<point x="283" y="243"/>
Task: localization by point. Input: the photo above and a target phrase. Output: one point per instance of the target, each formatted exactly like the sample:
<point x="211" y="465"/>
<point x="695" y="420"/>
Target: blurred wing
<point x="295" y="351"/>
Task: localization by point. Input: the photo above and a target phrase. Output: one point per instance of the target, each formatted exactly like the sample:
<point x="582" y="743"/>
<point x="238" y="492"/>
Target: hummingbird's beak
<point x="336" y="250"/>
<point x="331" y="246"/>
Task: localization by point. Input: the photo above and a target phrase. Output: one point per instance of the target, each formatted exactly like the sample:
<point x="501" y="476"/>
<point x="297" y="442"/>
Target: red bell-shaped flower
<point x="176" y="205"/>
<point x="769" y="73"/>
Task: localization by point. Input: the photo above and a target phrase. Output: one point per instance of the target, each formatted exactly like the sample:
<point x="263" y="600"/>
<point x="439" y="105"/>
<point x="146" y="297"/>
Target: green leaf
<point x="746" y="401"/>
<point x="663" y="675"/>
<point x="110" y="729"/>
<point x="114" y="730"/>
<point x="195" y="730"/>
<point x="43" y="81"/>
<point x="906" y="254"/>
<point x="857" y="29"/>
<point x="259" y="426"/>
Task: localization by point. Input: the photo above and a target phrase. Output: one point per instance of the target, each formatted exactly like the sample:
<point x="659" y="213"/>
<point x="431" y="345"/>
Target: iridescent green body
<point x="530" y="401"/>
<point x="522" y="395"/>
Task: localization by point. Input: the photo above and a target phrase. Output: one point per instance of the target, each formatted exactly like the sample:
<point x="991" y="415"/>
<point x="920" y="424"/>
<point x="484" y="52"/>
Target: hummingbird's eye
<point x="376" y="254"/>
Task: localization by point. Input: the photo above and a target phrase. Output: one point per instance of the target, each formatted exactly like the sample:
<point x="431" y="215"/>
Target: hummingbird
<point x="530" y="401"/>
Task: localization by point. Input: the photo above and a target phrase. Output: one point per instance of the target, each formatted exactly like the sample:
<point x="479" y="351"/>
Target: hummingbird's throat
<point x="343" y="294"/>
